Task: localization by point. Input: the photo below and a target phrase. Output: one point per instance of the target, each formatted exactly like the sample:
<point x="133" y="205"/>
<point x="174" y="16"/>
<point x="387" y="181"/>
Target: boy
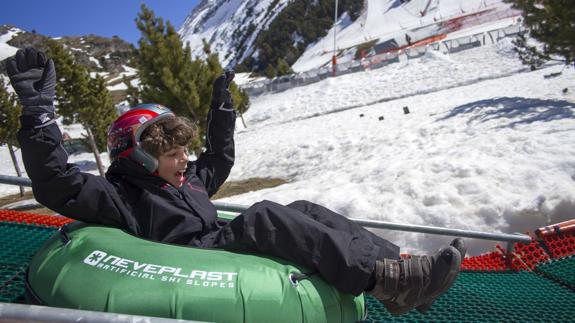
<point x="153" y="191"/>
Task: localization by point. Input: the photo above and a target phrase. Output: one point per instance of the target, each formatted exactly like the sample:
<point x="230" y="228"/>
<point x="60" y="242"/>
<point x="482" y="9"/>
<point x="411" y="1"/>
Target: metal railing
<point x="236" y="208"/>
<point x="34" y="313"/>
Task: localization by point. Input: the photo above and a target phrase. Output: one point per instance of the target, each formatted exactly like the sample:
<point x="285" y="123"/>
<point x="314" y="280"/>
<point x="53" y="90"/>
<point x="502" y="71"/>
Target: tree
<point x="166" y="71"/>
<point x="9" y="124"/>
<point x="283" y="67"/>
<point x="270" y="72"/>
<point x="551" y="22"/>
<point x="242" y="101"/>
<point x="82" y="99"/>
<point x="168" y="74"/>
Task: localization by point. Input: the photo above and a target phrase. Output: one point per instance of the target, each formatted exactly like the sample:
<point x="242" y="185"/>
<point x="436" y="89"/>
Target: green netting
<point x="476" y="296"/>
<point x="493" y="297"/>
<point x="19" y="243"/>
<point x="562" y="270"/>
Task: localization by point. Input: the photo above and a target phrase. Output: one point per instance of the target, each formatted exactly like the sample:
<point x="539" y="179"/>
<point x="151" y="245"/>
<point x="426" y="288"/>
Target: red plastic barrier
<point x="527" y="256"/>
<point x="524" y="257"/>
<point x="30" y="218"/>
<point x="493" y="261"/>
<point x="560" y="245"/>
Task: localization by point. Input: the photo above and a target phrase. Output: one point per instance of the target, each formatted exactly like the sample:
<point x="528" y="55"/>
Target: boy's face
<point x="172" y="165"/>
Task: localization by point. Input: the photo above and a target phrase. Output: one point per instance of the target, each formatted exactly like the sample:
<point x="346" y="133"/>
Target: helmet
<point x="124" y="134"/>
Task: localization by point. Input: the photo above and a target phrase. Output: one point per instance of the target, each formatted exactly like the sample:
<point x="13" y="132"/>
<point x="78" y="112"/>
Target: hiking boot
<point x="460" y="246"/>
<point x="402" y="285"/>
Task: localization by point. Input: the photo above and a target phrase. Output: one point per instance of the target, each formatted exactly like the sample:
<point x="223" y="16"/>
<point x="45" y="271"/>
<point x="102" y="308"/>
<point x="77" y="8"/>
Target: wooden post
<point x="16" y="166"/>
<point x="94" y="148"/>
<point x="243" y="121"/>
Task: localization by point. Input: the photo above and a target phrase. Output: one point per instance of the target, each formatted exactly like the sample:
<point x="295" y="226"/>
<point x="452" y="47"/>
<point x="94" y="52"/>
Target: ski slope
<point x="487" y="145"/>
<point x="392" y="19"/>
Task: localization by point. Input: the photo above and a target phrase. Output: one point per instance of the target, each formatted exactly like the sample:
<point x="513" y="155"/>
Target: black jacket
<point x="129" y="197"/>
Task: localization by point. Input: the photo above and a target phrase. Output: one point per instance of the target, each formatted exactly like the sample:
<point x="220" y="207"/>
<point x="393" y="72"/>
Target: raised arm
<point x="214" y="165"/>
<point x="56" y="184"/>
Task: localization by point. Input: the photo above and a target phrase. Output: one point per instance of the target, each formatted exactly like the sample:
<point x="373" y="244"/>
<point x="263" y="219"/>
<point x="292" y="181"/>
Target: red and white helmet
<point x="124" y="134"/>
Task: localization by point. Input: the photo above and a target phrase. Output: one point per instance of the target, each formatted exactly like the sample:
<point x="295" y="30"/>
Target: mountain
<point x="109" y="57"/>
<point x="252" y="35"/>
<point x="230" y="27"/>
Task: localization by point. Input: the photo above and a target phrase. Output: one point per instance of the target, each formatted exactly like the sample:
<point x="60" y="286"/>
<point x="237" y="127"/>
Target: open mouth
<point x="180" y="175"/>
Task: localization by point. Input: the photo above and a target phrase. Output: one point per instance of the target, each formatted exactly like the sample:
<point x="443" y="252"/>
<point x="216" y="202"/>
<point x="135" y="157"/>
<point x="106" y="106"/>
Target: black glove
<point x="33" y="77"/>
<point x="221" y="95"/>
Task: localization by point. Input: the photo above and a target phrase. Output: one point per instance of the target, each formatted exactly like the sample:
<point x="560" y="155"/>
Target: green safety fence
<point x="546" y="294"/>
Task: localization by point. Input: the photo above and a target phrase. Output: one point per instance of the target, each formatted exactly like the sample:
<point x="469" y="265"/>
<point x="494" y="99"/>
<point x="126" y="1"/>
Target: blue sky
<point x="81" y="17"/>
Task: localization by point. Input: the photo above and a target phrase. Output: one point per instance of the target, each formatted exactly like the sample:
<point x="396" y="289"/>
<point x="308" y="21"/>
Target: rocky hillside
<point x="109" y="57"/>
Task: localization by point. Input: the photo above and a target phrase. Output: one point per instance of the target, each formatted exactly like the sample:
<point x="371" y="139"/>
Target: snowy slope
<point x="225" y="25"/>
<point x="385" y="20"/>
<point x="495" y="154"/>
<point x="487" y="145"/>
<point x="5" y="49"/>
<point x="231" y="26"/>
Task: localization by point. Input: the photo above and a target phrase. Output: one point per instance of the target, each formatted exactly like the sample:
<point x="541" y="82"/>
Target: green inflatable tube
<point x="105" y="269"/>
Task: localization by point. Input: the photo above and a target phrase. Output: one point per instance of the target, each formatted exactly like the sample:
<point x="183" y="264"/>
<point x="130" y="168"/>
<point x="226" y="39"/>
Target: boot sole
<point x="423" y="308"/>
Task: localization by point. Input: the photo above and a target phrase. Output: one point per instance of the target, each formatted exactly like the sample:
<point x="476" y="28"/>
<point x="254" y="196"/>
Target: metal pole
<point x="334" y="58"/>
<point x="237" y="208"/>
<point x="410" y="227"/>
<point x="35" y="313"/>
<point x="12" y="180"/>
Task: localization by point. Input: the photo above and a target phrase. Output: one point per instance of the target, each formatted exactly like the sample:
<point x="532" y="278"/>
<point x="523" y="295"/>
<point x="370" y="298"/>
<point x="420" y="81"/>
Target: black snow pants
<point x="343" y="252"/>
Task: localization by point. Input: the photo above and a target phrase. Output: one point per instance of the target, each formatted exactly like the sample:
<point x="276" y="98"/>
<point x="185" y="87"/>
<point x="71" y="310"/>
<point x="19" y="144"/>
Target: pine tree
<point x="169" y="76"/>
<point x="9" y="124"/>
<point x="166" y="71"/>
<point x="551" y="22"/>
<point x="82" y="99"/>
<point x="270" y="72"/>
<point x="299" y="24"/>
<point x="9" y="116"/>
<point x="283" y="67"/>
<point x="241" y="101"/>
<point x="100" y="111"/>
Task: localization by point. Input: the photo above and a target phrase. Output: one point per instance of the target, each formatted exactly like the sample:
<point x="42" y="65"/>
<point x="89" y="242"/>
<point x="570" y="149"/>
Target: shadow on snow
<point x="516" y="109"/>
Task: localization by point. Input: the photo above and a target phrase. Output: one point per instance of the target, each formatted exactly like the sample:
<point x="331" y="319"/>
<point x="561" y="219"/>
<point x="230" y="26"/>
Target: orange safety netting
<point x="31" y="218"/>
<point x="523" y="257"/>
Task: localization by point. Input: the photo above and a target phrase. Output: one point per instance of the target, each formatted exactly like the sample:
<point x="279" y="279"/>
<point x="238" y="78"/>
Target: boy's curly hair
<point x="166" y="134"/>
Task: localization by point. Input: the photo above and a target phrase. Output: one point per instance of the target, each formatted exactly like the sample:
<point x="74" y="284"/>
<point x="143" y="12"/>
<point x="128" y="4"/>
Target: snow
<point x="244" y="79"/>
<point x="222" y="23"/>
<point x="385" y="20"/>
<point x="226" y="17"/>
<point x="101" y="74"/>
<point x="487" y="145"/>
<point x="85" y="161"/>
<point x="121" y="86"/>
<point x="5" y="49"/>
<point x="128" y="71"/>
<point x="95" y="61"/>
<point x="7" y="83"/>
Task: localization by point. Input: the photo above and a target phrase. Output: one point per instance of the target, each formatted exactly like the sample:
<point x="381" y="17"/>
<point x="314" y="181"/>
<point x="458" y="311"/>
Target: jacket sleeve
<point x="214" y="165"/>
<point x="61" y="186"/>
